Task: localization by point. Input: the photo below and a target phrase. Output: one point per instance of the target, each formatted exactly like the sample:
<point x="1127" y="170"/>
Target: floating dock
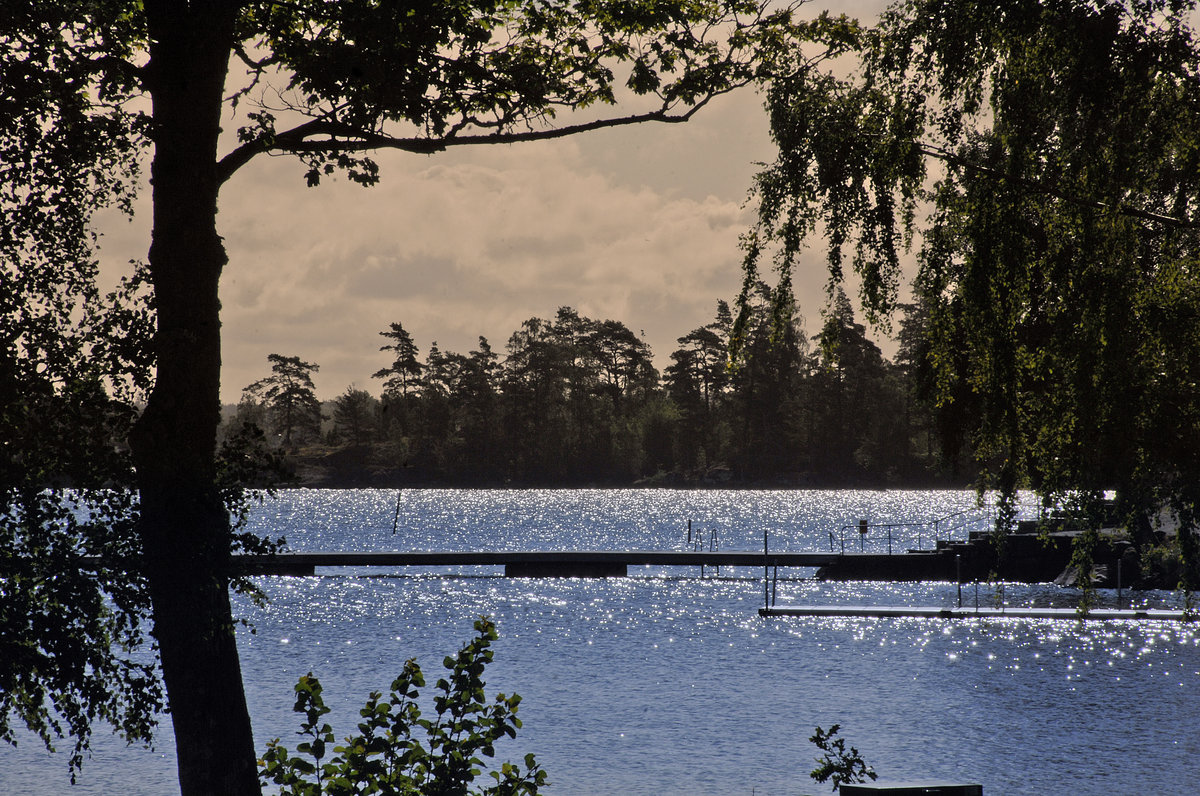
<point x="536" y="563"/>
<point x="910" y="789"/>
<point x="1008" y="612"/>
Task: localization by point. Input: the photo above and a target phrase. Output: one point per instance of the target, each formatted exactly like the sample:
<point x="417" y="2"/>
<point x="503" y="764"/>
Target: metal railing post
<point x="766" y="573"/>
<point x="958" y="576"/>
<point x="1118" y="583"/>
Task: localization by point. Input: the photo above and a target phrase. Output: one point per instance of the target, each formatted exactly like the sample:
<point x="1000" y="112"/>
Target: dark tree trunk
<point x="184" y="526"/>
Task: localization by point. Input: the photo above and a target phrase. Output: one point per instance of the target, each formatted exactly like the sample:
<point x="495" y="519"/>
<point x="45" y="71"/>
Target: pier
<point x="535" y="563"/>
<point x="1006" y="612"/>
<point x="1030" y="557"/>
<point x="840" y="562"/>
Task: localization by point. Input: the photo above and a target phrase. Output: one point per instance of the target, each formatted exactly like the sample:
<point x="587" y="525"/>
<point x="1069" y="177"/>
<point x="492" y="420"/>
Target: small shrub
<point x="397" y="750"/>
<point x="836" y="763"/>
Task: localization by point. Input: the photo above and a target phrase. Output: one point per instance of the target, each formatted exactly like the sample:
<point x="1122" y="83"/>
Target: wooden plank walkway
<point x="533" y="563"/>
<point x="920" y="612"/>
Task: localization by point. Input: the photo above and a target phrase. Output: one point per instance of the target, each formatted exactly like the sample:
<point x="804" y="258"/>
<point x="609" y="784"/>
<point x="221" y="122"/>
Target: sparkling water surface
<point x="666" y="682"/>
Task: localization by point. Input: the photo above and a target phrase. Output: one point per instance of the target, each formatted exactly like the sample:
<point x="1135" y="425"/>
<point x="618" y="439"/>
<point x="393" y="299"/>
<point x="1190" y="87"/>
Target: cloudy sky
<point x="639" y="225"/>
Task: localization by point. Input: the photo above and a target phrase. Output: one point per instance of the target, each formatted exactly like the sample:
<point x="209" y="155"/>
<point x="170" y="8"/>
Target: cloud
<point x="458" y="248"/>
<point x="638" y="225"/>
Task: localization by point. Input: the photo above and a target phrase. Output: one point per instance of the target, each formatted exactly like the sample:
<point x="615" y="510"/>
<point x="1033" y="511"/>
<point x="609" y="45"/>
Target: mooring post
<point x="1118" y="583"/>
<point x="766" y="573"/>
<point x="689" y="531"/>
<point x="775" y="585"/>
<point x="396" y="518"/>
<point x="958" y="575"/>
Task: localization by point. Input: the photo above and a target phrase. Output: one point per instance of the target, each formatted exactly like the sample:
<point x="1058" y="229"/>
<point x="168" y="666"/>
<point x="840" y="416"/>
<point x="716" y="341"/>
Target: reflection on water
<point x="668" y="683"/>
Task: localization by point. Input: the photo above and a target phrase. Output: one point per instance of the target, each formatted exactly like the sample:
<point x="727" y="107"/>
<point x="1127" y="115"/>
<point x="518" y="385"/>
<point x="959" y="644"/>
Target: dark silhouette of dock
<point x="966" y="612"/>
<point x="534" y="563"/>
<point x="945" y="561"/>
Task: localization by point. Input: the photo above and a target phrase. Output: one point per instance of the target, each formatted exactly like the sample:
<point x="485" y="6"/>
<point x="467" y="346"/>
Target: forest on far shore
<point x="574" y="401"/>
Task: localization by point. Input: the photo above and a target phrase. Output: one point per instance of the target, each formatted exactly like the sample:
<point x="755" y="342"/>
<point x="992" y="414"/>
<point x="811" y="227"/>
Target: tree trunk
<point x="184" y="527"/>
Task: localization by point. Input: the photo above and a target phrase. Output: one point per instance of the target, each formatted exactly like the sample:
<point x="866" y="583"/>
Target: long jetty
<point x="988" y="612"/>
<point x="536" y="563"/>
<point x="1031" y="557"/>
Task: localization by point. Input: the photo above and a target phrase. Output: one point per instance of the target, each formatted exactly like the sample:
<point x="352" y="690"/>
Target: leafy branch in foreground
<point x="836" y="763"/>
<point x="386" y="756"/>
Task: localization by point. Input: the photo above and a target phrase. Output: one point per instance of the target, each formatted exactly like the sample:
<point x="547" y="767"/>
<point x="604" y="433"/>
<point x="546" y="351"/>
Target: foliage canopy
<point x="1048" y="156"/>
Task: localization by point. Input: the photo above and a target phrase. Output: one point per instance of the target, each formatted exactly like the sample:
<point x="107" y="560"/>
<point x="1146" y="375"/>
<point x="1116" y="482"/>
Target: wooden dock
<point x="537" y="563"/>
<point x="1009" y="612"/>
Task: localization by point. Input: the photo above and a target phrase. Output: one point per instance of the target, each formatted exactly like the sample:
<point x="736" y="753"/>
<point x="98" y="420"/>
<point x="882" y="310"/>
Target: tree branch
<point x="111" y="64"/>
<point x="344" y="138"/>
<point x="945" y="156"/>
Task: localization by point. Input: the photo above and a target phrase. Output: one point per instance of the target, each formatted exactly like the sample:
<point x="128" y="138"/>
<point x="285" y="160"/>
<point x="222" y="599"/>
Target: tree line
<point x="573" y="400"/>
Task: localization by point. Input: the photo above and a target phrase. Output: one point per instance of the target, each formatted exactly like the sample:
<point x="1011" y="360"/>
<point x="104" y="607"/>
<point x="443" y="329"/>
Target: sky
<point x="638" y="224"/>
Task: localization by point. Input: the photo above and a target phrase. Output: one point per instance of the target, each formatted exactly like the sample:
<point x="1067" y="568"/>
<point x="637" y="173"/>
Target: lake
<point x="666" y="682"/>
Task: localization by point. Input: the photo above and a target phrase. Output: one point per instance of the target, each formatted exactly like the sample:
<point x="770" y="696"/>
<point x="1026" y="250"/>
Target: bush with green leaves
<point x="396" y="750"/>
<point x="836" y="763"/>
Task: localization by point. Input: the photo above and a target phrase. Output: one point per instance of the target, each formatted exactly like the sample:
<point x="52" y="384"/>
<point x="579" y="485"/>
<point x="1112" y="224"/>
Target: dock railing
<point x="899" y="536"/>
<point x="959" y="525"/>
